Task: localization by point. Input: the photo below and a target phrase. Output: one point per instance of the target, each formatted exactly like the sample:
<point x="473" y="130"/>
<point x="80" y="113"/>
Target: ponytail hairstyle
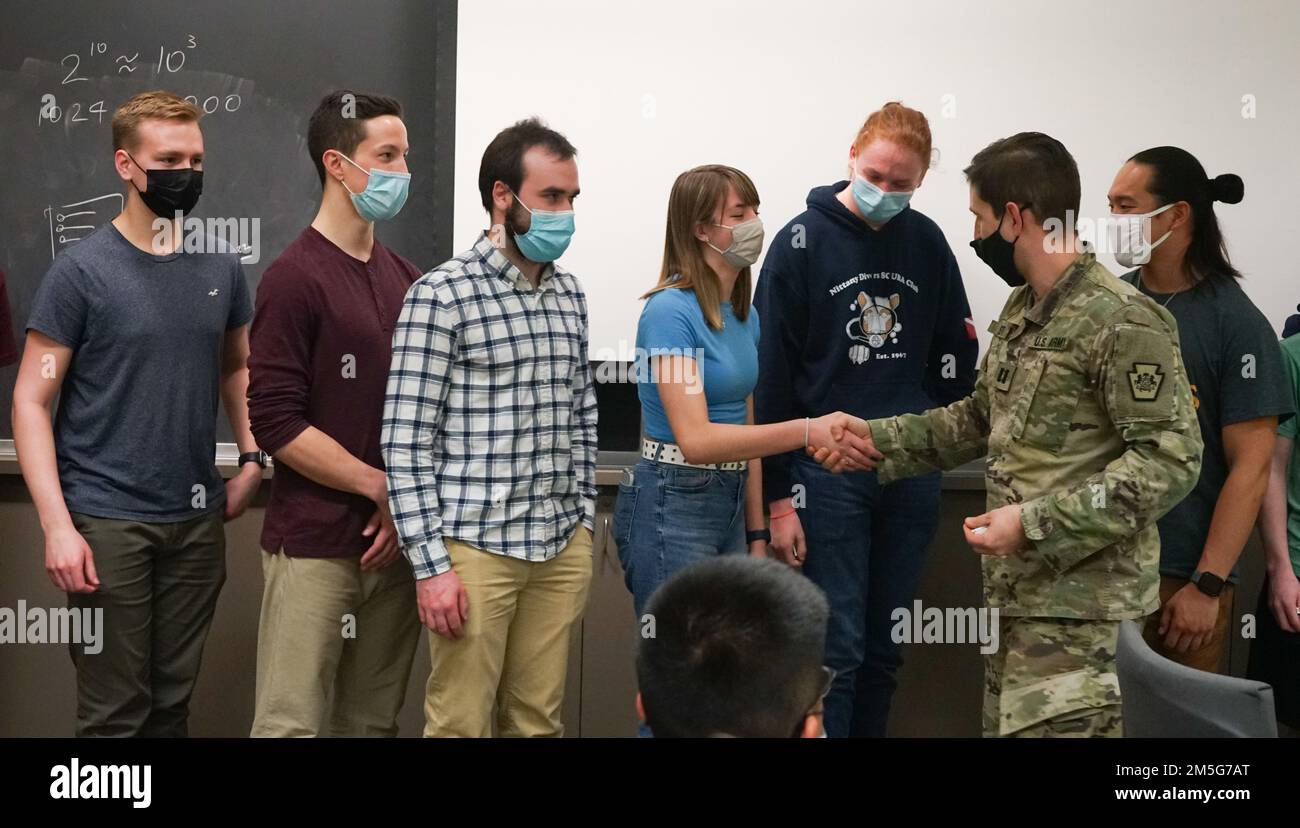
<point x="1176" y="175"/>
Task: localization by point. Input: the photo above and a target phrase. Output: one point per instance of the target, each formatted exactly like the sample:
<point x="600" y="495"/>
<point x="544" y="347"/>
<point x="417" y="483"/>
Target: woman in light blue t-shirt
<point x="696" y="492"/>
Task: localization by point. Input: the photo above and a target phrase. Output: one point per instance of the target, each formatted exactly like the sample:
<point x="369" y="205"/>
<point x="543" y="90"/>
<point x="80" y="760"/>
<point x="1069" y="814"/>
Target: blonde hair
<point x="695" y="198"/>
<point x="903" y="125"/>
<point x="156" y="105"/>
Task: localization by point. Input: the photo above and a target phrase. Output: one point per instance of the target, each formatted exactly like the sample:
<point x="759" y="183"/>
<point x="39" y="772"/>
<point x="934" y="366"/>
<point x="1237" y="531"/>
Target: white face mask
<point x="746" y="242"/>
<point x="1132" y="237"/>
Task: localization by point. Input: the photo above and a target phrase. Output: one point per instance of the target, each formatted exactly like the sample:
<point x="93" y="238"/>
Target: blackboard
<point x="258" y="69"/>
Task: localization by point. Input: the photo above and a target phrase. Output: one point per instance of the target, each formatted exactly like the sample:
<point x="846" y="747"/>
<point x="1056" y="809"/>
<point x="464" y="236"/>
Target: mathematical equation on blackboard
<point x="168" y="61"/>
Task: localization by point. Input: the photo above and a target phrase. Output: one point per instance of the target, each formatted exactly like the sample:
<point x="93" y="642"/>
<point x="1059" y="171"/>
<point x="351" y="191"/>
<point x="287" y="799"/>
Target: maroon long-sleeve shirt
<point x="320" y="348"/>
<point x="8" y="348"/>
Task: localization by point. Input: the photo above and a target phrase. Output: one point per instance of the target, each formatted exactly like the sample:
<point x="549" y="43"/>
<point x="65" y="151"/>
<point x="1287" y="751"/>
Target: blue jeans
<point x="866" y="550"/>
<point x="670" y="517"/>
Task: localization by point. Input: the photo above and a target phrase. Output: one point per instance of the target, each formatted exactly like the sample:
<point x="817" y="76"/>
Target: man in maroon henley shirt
<point x="338" y="626"/>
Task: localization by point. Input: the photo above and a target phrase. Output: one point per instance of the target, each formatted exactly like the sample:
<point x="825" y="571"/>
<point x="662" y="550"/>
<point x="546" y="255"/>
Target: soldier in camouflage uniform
<point x="1084" y="409"/>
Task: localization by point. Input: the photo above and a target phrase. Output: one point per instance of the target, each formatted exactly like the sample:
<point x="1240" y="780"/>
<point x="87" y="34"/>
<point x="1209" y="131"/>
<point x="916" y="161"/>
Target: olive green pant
<point x="158" y="588"/>
<point x="1053" y="677"/>
<point x="334" y="647"/>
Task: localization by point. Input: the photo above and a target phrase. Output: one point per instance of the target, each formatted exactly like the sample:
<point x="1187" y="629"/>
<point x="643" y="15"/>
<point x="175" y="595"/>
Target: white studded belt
<point x="671" y="453"/>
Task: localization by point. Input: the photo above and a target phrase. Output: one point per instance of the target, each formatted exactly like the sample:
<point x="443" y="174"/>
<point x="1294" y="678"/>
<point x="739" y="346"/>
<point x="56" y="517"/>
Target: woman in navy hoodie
<point x="863" y="311"/>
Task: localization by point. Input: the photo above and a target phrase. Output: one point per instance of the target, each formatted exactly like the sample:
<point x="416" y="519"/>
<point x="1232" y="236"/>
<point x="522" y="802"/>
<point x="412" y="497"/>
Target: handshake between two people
<point x="845" y="444"/>
<point x="841" y="442"/>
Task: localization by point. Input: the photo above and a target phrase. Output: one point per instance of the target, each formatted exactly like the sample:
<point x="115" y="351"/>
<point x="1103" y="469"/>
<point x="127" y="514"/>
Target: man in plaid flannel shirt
<point x="489" y="440"/>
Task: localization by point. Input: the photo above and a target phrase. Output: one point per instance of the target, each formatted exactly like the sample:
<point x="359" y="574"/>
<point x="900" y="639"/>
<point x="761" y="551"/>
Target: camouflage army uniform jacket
<point x="1083" y="407"/>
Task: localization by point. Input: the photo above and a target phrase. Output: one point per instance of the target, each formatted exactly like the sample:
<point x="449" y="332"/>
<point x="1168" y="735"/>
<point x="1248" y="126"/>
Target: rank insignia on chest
<point x="1002" y="378"/>
<point x="1144" y="381"/>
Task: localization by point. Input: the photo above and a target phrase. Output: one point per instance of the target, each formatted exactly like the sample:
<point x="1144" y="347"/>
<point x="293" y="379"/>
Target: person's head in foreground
<point x="735" y="649"/>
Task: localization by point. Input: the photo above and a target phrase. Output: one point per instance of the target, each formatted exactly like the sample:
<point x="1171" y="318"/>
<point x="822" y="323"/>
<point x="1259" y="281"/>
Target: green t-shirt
<point x="1291" y="364"/>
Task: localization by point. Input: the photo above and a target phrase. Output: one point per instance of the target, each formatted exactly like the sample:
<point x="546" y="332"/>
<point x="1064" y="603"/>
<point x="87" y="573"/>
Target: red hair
<point x="903" y="125"/>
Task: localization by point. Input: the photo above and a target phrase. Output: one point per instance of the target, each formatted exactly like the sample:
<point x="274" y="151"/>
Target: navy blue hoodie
<point x="871" y="322"/>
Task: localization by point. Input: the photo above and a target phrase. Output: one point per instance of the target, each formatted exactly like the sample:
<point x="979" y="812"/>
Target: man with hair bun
<point x="1170" y="235"/>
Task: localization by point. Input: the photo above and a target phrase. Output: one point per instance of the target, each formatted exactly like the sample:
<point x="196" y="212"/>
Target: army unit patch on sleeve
<point x="1144" y="381"/>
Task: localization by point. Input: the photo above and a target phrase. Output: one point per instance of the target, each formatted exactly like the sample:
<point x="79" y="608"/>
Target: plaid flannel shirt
<point x="489" y="433"/>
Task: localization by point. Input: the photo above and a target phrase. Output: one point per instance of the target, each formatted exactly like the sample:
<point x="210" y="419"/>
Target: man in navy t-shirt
<point x="1164" y="205"/>
<point x="139" y="338"/>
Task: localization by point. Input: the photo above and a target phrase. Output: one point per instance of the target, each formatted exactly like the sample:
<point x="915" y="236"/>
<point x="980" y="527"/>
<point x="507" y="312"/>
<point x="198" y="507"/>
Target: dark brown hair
<point x="1029" y="169"/>
<point x="330" y="130"/>
<point x="503" y="160"/>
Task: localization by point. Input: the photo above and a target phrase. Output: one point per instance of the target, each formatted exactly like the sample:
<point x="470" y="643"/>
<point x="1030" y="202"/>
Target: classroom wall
<point x="645" y="91"/>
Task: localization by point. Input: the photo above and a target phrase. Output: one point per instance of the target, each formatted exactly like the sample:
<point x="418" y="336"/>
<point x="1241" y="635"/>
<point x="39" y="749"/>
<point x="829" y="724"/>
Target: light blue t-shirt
<point x="672" y="324"/>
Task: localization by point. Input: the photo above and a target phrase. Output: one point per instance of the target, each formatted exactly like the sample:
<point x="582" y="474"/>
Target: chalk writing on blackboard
<point x="170" y="61"/>
<point x="70" y="223"/>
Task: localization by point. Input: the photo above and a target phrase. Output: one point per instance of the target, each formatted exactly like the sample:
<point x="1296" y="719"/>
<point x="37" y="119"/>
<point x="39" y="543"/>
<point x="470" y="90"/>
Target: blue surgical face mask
<point x="874" y="203"/>
<point x="384" y="195"/>
<point x="548" y="235"/>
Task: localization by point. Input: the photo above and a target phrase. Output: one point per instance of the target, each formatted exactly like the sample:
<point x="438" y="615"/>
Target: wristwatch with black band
<point x="752" y="535"/>
<point x="1208" y="583"/>
<point x="259" y="457"/>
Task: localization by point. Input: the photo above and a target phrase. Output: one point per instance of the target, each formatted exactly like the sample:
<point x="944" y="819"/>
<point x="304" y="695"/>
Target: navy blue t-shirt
<point x="135" y="432"/>
<point x="1234" y="365"/>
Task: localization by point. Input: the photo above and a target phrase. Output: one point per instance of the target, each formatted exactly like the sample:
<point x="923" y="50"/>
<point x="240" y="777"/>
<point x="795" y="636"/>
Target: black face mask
<point x="999" y="254"/>
<point x="167" y="191"/>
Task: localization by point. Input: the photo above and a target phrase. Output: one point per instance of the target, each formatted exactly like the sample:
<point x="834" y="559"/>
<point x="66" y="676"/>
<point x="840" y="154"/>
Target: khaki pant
<point x="514" y="653"/>
<point x="334" y="647"/>
<point x="158" y="588"/>
<point x="1210" y="657"/>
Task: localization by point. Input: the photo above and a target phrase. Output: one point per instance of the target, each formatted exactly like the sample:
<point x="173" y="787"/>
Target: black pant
<point x="1275" y="658"/>
<point x="158" y="587"/>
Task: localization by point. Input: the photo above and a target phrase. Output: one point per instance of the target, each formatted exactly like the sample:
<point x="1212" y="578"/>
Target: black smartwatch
<point x="1208" y="583"/>
<point x="752" y="535"/>
<point x="259" y="457"/>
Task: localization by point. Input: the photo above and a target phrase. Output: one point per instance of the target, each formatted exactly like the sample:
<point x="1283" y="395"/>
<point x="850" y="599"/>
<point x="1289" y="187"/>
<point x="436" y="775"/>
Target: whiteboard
<point x="645" y="91"/>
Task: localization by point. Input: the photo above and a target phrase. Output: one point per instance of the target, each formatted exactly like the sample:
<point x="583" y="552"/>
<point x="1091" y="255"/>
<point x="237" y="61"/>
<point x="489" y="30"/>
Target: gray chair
<point x="1164" y="699"/>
